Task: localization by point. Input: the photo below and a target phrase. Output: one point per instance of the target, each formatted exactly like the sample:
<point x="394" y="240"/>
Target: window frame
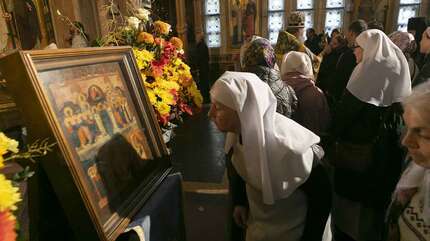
<point x="327" y="9"/>
<point x="269" y="12"/>
<point x="400" y="5"/>
<point x="206" y="16"/>
<point x="312" y="10"/>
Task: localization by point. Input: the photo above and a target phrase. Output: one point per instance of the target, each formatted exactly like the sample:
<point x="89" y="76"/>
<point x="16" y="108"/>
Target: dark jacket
<point x="360" y="123"/>
<point x="340" y="77"/>
<point x="424" y="74"/>
<point x="328" y="67"/>
<point x="285" y="95"/>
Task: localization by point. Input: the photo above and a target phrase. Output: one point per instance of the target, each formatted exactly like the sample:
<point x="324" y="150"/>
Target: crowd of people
<point x="329" y="139"/>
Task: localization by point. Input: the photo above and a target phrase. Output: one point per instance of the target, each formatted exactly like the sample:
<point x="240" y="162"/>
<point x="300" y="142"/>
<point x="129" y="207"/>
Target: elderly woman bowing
<point x="272" y="153"/>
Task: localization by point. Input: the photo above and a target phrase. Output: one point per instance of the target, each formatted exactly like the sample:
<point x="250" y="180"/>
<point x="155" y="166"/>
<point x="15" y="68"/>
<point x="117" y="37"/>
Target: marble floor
<point x="197" y="152"/>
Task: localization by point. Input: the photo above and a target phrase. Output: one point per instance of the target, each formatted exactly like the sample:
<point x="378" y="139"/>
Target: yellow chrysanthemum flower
<point x="143" y="58"/>
<point x="9" y="195"/>
<point x="165" y="96"/>
<point x="162" y="108"/>
<point x="169" y="85"/>
<point x="195" y="93"/>
<point x="7" y="144"/>
<point x="151" y="96"/>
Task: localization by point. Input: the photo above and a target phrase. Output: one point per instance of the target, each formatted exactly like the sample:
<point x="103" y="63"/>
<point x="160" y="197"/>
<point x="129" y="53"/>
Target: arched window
<point x="276" y="18"/>
<point x="407" y="9"/>
<point x="334" y="15"/>
<point x="212" y="23"/>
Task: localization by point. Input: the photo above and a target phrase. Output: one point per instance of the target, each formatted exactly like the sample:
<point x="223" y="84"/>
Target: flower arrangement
<point x="160" y="59"/>
<point x="9" y="192"/>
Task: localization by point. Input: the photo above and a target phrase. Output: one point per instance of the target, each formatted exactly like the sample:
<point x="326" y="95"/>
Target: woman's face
<point x="225" y="119"/>
<point x="425" y="44"/>
<point x="334" y="44"/>
<point x="417" y="137"/>
<point x="358" y="52"/>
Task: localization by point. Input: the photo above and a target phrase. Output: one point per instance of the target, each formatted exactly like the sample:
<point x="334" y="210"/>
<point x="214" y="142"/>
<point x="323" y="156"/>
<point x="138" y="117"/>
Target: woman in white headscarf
<point x="272" y="153"/>
<point x="367" y="156"/>
<point x="312" y="111"/>
<point x="409" y="214"/>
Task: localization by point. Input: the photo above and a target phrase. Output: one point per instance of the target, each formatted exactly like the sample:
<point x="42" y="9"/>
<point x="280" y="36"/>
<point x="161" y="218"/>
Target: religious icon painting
<point x="110" y="151"/>
<point x="243" y="21"/>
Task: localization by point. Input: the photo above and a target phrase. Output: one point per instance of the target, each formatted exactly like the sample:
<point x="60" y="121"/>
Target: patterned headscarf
<point x="260" y="52"/>
<point x="286" y="43"/>
<point x="405" y="41"/>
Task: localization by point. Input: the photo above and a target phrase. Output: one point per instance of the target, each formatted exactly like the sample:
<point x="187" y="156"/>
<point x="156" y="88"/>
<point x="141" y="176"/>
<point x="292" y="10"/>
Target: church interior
<point x="216" y="120"/>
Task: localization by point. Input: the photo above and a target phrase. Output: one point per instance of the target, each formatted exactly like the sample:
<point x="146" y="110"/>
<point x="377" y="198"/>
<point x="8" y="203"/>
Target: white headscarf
<point x="277" y="150"/>
<point x="382" y="77"/>
<point x="297" y="62"/>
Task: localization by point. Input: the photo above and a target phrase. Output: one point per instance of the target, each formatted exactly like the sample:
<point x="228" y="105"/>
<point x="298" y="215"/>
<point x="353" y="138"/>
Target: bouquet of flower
<point x="9" y="192"/>
<point x="167" y="78"/>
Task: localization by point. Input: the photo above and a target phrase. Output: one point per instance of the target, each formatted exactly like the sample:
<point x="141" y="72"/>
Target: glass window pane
<point x="402" y="27"/>
<point x="213" y="24"/>
<point x="212" y="7"/>
<point x="273" y="37"/>
<point x="276" y="5"/>
<point x="410" y="1"/>
<point x="407" y="12"/>
<point x="305" y="4"/>
<point x="309" y="19"/>
<point x="333" y="19"/>
<point x="276" y="20"/>
<point x="334" y="4"/>
<point x="213" y="40"/>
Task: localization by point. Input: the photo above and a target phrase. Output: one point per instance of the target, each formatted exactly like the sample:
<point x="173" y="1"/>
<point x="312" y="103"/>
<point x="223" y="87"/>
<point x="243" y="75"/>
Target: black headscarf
<point x="419" y="24"/>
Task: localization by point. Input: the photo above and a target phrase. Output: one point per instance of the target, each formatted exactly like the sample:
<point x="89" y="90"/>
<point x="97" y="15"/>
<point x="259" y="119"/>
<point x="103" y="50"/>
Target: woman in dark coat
<point x="259" y="58"/>
<point x="367" y="155"/>
<point x="424" y="74"/>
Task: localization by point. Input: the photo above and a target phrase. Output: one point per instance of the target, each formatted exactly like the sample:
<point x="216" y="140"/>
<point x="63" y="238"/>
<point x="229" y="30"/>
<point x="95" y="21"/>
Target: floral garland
<point x="167" y="78"/>
<point x="9" y="193"/>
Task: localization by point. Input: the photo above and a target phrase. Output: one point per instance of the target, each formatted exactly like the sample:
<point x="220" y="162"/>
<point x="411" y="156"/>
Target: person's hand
<point x="327" y="50"/>
<point x="240" y="216"/>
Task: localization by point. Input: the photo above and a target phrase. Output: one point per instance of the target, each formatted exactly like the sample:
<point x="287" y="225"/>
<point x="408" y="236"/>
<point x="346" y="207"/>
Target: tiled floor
<point x="198" y="154"/>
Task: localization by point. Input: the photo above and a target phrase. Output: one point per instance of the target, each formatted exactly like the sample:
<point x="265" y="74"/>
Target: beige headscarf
<point x="297" y="62"/>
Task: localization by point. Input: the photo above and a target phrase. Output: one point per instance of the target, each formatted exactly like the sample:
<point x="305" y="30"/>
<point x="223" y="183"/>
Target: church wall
<point x="224" y="57"/>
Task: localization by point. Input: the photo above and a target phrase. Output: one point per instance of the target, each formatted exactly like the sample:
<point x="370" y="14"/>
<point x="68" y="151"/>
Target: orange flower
<point x="145" y="37"/>
<point x="7" y="226"/>
<point x="177" y="42"/>
<point x="161" y="27"/>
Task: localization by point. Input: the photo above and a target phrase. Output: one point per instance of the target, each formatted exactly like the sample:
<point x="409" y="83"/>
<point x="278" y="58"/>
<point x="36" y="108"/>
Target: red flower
<point x="157" y="70"/>
<point x="163" y="119"/>
<point x="175" y="94"/>
<point x="7" y="226"/>
<point x="159" y="41"/>
<point x="186" y="108"/>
